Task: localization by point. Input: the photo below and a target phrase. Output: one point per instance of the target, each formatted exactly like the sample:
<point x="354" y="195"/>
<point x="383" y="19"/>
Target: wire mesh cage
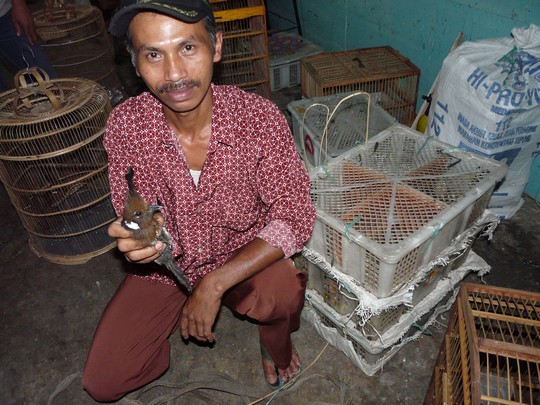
<point x="491" y="350"/>
<point x="327" y="126"/>
<point x="54" y="167"/>
<point x="75" y="39"/>
<point x="388" y="207"/>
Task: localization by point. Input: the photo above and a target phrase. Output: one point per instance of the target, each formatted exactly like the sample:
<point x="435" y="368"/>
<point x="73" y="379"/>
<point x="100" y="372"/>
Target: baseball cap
<point x="189" y="11"/>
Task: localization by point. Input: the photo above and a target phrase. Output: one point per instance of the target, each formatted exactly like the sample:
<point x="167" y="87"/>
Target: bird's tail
<point x="129" y="177"/>
<point x="179" y="274"/>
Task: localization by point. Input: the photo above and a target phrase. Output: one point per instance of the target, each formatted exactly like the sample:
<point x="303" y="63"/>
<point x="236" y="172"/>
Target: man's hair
<point x="208" y="24"/>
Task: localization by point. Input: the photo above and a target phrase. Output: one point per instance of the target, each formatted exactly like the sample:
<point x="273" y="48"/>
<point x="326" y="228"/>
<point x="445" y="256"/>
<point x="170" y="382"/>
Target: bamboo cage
<point x="380" y="70"/>
<point x="491" y="350"/>
<point x="54" y="166"/>
<point x="75" y="39"/>
<point x="245" y="58"/>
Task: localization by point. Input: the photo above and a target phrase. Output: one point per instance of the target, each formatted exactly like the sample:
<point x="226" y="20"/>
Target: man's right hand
<point x="134" y="251"/>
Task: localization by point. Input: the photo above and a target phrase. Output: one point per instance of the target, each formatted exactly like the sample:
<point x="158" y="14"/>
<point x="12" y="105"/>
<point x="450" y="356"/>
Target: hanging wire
<point x="31" y="51"/>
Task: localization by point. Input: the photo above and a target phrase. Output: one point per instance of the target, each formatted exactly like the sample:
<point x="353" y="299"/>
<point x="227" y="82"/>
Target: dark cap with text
<point x="190" y="11"/>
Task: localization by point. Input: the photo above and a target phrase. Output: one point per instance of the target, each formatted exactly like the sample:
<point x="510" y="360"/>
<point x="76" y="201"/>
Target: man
<point x="18" y="41"/>
<point x="235" y="196"/>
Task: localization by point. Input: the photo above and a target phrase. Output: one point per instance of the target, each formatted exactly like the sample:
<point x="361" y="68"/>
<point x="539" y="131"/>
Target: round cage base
<point x="73" y="250"/>
<point x="70" y="260"/>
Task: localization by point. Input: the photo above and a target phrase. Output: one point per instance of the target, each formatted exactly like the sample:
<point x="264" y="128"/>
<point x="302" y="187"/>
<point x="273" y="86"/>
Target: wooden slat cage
<point x="245" y="60"/>
<point x="372" y="70"/>
<point x="54" y="166"/>
<point x="491" y="350"/>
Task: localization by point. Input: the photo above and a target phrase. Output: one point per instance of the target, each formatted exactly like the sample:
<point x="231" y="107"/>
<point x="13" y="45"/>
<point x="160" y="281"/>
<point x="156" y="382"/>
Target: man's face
<point x="175" y="59"/>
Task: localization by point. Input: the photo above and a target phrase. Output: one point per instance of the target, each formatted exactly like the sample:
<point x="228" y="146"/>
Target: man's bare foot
<point x="285" y="375"/>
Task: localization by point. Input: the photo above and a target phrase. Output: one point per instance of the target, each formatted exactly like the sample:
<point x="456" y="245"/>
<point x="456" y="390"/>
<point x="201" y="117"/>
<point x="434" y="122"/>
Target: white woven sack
<point x="488" y="101"/>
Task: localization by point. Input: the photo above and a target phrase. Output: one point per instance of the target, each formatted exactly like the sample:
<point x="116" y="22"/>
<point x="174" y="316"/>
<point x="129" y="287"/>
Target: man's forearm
<point x="252" y="258"/>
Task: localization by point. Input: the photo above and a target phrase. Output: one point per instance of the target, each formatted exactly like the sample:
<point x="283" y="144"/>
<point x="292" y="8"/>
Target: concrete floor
<point x="49" y="313"/>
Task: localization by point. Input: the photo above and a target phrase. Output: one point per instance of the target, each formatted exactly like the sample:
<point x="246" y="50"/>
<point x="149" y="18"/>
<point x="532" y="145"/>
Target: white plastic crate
<point x="387" y="208"/>
<point x="375" y="317"/>
<point x="346" y="127"/>
<point x="378" y="321"/>
<point x="371" y="356"/>
<point x="286" y="50"/>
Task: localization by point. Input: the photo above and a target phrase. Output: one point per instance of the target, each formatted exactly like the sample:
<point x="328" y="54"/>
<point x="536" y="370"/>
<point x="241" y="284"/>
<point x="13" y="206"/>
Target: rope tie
<point x="349" y="226"/>
<point x="433" y="236"/>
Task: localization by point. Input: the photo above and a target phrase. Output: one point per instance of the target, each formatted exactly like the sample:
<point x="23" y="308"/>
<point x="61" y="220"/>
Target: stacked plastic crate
<point x="245" y="60"/>
<point x="396" y="219"/>
<point x="286" y="50"/>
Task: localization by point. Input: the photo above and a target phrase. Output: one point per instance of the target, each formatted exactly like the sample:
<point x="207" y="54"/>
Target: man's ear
<point x="219" y="43"/>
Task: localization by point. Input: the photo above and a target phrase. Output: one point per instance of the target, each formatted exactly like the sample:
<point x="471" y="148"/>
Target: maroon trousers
<point x="131" y="347"/>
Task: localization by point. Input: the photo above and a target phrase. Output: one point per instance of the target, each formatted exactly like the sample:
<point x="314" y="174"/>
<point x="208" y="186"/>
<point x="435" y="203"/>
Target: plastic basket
<point x="286" y="50"/>
<point x="348" y="339"/>
<point x="346" y="129"/>
<point x="344" y="296"/>
<point x="386" y="208"/>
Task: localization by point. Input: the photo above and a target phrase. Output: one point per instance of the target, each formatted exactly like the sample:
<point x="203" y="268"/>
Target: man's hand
<point x="23" y="21"/>
<point x="133" y="250"/>
<point x="200" y="311"/>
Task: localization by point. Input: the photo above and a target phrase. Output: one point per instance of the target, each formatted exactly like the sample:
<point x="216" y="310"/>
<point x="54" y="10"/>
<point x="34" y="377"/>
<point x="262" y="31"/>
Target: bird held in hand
<point x="139" y="217"/>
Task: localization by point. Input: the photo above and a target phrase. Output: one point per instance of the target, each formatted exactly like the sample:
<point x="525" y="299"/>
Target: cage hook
<point x="31" y="52"/>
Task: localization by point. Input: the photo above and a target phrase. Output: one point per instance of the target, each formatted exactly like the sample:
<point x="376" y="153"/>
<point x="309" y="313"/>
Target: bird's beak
<point x="154" y="208"/>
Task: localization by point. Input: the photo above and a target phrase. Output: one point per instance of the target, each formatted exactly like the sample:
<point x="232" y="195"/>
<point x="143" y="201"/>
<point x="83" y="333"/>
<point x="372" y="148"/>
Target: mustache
<point x="179" y="85"/>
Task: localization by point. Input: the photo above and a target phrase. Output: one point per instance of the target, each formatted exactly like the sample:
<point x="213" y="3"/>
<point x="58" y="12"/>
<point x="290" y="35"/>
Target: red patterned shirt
<point x="252" y="183"/>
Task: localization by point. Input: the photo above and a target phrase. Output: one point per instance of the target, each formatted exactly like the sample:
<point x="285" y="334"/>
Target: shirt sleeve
<point x="284" y="187"/>
<point x="113" y="145"/>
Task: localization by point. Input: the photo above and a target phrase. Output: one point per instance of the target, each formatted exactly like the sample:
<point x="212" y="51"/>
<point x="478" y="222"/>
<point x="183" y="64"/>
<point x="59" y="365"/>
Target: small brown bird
<point x="139" y="217"/>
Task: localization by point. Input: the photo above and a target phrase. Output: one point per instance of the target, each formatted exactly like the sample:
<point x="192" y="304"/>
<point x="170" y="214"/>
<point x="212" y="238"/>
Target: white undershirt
<point x="195" y="174"/>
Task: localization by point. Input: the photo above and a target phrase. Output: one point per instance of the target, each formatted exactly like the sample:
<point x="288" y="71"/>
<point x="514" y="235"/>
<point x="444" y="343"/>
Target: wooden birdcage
<point x="75" y="39"/>
<point x="54" y="166"/>
<point x="373" y="70"/>
<point x="491" y="350"/>
<point x="245" y="60"/>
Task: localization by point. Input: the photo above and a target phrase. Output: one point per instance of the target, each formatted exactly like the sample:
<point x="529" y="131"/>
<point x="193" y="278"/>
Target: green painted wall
<point x="422" y="30"/>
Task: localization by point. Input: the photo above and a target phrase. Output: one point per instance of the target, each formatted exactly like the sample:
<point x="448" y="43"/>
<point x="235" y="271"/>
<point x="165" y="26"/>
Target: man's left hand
<point x="23" y="21"/>
<point x="200" y="312"/>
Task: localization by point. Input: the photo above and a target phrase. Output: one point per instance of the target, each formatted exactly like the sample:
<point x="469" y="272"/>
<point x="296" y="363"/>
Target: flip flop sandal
<point x="279" y="383"/>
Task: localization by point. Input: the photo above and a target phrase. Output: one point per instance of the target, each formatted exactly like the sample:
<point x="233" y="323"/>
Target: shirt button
<point x="200" y="250"/>
<point x="198" y="211"/>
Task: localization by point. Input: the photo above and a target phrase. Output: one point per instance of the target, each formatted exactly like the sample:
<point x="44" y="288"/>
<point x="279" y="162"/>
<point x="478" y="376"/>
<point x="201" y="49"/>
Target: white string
<point x="308" y="164"/>
<point x="325" y="130"/>
<point x="323" y="143"/>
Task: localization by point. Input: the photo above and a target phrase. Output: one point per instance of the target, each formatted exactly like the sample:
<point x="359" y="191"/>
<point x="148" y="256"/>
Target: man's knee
<point x="287" y="297"/>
